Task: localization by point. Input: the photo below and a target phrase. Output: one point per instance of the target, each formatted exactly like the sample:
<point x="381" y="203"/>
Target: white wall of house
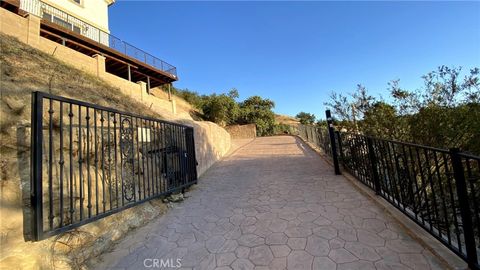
<point x="94" y="12"/>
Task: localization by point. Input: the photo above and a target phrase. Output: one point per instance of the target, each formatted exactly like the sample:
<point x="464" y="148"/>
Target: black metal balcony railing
<point x="90" y="161"/>
<point x="63" y="19"/>
<point x="438" y="189"/>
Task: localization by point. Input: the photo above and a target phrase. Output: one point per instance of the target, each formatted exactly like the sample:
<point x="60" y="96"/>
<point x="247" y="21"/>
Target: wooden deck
<point x="116" y="62"/>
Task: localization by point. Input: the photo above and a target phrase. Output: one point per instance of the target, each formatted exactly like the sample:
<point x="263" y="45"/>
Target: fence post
<point x="373" y="161"/>
<point x="332" y="142"/>
<point x="462" y="193"/>
<point x="36" y="166"/>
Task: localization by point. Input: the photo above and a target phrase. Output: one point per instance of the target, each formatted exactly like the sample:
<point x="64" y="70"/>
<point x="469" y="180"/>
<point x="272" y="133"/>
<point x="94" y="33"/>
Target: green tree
<point x="192" y="97"/>
<point x="306" y="118"/>
<point x="233" y="93"/>
<point x="381" y="120"/>
<point x="221" y="109"/>
<point x="321" y="123"/>
<point x="281" y="128"/>
<point x="444" y="113"/>
<point x="258" y="111"/>
<point x="350" y="109"/>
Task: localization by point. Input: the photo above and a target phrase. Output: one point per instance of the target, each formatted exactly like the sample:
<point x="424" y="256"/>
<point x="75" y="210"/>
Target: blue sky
<point x="297" y="53"/>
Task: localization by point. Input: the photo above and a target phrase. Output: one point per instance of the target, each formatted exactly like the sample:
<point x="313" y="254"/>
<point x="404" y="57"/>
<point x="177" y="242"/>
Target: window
<point x="47" y="17"/>
<point x="76" y="29"/>
<point x="78" y="1"/>
<point x="63" y="23"/>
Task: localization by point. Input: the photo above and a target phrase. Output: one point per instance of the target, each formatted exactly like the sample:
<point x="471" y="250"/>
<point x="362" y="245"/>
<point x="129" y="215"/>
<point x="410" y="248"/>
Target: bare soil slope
<point x="285" y="119"/>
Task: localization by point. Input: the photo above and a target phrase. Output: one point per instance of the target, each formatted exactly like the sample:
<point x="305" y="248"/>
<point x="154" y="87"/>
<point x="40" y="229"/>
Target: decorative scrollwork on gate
<point x="126" y="149"/>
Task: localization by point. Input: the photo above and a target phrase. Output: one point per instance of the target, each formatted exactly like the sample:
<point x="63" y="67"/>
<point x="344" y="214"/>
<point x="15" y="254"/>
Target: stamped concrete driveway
<point x="273" y="204"/>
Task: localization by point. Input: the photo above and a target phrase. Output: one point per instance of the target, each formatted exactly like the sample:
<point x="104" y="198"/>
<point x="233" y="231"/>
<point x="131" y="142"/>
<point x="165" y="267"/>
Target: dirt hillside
<point x="285" y="119"/>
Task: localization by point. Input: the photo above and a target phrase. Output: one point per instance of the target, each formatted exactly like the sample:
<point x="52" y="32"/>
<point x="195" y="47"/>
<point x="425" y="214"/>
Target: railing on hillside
<point x="316" y="135"/>
<point x="63" y="19"/>
<point x="438" y="189"/>
<point x="90" y="161"/>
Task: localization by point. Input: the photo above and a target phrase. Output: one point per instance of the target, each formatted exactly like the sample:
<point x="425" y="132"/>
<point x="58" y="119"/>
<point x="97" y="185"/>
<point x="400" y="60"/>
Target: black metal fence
<point x="438" y="189"/>
<point x="316" y="135"/>
<point x="90" y="161"/>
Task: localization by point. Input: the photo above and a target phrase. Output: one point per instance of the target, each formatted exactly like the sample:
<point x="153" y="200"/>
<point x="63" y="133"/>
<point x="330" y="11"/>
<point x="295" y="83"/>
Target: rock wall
<point x="242" y="131"/>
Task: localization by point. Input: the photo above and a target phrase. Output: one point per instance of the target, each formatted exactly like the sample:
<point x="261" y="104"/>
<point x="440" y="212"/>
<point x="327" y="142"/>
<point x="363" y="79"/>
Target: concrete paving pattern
<point x="273" y="204"/>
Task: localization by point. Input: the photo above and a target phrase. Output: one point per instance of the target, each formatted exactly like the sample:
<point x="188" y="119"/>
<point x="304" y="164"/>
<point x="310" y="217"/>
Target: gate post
<point x="192" y="161"/>
<point x="465" y="213"/>
<point x="36" y="192"/>
<point x="333" y="145"/>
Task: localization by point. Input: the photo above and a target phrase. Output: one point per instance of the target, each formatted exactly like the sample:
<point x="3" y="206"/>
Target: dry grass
<point x="24" y="69"/>
<point x="285" y="119"/>
<point x="182" y="104"/>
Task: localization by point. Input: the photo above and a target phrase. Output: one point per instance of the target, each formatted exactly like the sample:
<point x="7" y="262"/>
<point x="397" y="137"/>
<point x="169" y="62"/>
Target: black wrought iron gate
<point x="90" y="161"/>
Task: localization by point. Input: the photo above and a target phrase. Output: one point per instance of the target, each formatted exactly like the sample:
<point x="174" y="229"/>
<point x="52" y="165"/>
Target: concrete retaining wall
<point x="242" y="131"/>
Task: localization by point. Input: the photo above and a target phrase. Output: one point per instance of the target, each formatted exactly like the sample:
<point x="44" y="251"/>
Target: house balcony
<point x="122" y="58"/>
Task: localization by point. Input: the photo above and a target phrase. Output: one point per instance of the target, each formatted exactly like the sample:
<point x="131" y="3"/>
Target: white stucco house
<point x="86" y="17"/>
